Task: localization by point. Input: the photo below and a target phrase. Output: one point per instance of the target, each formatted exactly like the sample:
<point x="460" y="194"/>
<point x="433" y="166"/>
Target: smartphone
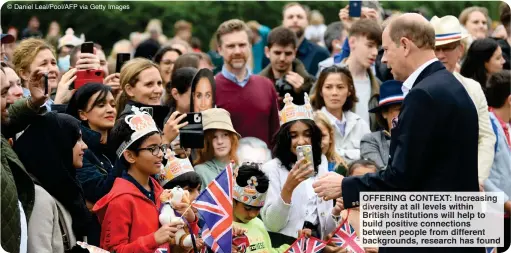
<point x="192" y="135"/>
<point x="305" y="152"/>
<point x="87" y="47"/>
<point x="121" y="59"/>
<point x="46" y="89"/>
<point x="355" y="9"/>
<point x="88" y="76"/>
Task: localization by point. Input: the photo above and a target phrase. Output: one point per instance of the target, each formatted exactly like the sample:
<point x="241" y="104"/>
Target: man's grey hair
<point x="254" y="142"/>
<point x="333" y="32"/>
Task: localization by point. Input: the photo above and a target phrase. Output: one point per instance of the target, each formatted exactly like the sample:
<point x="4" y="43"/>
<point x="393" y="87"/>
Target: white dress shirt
<point x="408" y="83"/>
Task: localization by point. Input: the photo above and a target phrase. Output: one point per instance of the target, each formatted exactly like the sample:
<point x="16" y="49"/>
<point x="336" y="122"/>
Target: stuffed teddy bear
<point x="167" y="214"/>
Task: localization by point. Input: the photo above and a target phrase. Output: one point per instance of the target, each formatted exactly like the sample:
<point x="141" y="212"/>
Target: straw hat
<point x="217" y="118"/>
<point x="447" y="30"/>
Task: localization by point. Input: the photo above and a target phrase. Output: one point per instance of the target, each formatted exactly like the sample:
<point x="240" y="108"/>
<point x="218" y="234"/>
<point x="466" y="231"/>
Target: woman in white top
<point x="291" y="204"/>
<point x="335" y="96"/>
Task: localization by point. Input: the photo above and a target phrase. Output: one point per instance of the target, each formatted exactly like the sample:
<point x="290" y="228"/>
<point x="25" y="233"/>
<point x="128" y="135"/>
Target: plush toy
<point x="167" y="214"/>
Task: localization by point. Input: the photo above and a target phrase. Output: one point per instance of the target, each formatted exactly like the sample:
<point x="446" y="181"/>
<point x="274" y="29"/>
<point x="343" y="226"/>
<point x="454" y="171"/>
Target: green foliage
<point x="108" y="26"/>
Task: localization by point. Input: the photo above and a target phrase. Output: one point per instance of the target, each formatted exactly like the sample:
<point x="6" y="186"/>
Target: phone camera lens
<point x="98" y="73"/>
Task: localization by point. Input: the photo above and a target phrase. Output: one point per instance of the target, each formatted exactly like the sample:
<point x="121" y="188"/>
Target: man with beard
<point x="285" y="71"/>
<point x="250" y="99"/>
<point x="17" y="186"/>
<point x="295" y="18"/>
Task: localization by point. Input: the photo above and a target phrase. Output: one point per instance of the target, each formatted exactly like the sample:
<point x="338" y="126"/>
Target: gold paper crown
<point x="174" y="168"/>
<point x="292" y="112"/>
<point x="248" y="195"/>
<point x="140" y="122"/>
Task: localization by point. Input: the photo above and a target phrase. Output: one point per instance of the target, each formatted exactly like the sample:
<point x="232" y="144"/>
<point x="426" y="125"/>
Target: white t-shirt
<point x="363" y="91"/>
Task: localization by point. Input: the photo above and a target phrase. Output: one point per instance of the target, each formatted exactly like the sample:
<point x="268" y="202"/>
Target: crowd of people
<point x="91" y="164"/>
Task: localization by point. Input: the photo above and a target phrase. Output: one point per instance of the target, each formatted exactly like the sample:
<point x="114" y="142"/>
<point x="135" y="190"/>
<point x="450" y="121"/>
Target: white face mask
<point x="64" y="63"/>
<point x="338" y="46"/>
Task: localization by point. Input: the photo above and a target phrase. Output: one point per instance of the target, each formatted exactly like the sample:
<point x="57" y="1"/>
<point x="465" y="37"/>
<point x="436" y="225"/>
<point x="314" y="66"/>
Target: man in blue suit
<point x="434" y="141"/>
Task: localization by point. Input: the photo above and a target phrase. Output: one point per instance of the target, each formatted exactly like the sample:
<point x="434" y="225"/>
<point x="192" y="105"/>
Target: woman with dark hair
<point x="165" y="58"/>
<point x="203" y="91"/>
<point x="94" y="105"/>
<point x="484" y="57"/>
<point x="192" y="60"/>
<point x="291" y="204"/>
<point x="375" y="146"/>
<point x="60" y="216"/>
<point x="180" y="89"/>
<point x="129" y="212"/>
<point x="336" y="97"/>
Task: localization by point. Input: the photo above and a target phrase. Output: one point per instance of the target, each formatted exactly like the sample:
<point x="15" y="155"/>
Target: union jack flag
<point x="346" y="238"/>
<point x="215" y="206"/>
<point x="491" y="250"/>
<point x="162" y="250"/>
<point x="307" y="245"/>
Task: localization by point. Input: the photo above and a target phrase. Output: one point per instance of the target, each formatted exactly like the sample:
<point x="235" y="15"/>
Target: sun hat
<point x="390" y="93"/>
<point x="447" y="30"/>
<point x="217" y="118"/>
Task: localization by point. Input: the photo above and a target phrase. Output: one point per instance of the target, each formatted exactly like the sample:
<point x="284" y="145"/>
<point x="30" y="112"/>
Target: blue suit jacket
<point x="433" y="146"/>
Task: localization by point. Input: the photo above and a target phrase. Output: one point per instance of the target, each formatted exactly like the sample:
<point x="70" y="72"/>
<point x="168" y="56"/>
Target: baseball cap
<point x="7" y="38"/>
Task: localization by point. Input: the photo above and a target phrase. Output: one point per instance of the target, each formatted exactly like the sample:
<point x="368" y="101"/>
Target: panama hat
<point x="217" y="118"/>
<point x="447" y="30"/>
<point x="390" y="93"/>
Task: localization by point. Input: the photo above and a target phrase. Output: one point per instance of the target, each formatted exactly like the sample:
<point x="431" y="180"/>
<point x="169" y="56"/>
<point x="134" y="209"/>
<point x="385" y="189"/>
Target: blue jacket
<point x="97" y="174"/>
<point x="96" y="177"/>
<point x="311" y="55"/>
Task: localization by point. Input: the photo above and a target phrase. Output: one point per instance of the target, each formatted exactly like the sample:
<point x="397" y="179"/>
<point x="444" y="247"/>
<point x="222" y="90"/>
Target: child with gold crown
<point x="291" y="204"/>
<point x="182" y="185"/>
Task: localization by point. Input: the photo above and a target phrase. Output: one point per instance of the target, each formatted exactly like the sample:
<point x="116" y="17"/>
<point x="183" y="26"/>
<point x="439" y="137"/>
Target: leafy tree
<point x="108" y="26"/>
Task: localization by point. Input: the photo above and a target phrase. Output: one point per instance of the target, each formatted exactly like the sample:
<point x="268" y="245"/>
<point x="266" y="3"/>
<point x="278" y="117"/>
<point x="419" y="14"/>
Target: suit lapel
<point x="432" y="68"/>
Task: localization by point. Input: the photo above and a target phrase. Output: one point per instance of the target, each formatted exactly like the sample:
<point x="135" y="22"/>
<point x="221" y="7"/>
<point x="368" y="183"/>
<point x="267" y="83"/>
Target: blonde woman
<point x="142" y="87"/>
<point x="317" y="28"/>
<point x="32" y="54"/>
<point x="475" y="20"/>
<point x="335" y="161"/>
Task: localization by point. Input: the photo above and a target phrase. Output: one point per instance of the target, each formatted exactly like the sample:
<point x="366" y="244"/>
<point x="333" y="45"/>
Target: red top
<point x="129" y="219"/>
<point x="253" y="108"/>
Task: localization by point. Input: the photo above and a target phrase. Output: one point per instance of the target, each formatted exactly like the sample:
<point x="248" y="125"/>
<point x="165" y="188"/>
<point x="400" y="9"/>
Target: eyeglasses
<point x="447" y="48"/>
<point x="155" y="150"/>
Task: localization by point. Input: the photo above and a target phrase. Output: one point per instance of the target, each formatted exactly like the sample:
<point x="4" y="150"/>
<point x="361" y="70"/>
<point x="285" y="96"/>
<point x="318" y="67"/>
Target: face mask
<point x="64" y="63"/>
<point x="338" y="46"/>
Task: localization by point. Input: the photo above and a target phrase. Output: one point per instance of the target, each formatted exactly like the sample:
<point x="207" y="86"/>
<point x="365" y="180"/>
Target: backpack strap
<point x="64" y="231"/>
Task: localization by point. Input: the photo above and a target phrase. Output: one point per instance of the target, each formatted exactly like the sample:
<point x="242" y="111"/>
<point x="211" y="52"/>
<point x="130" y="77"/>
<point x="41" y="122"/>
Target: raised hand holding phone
<point x="37" y="88"/>
<point x="172" y="126"/>
<point x="64" y="92"/>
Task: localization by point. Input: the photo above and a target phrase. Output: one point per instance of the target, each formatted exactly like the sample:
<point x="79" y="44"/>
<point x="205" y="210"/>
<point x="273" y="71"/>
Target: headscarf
<point x="46" y="150"/>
